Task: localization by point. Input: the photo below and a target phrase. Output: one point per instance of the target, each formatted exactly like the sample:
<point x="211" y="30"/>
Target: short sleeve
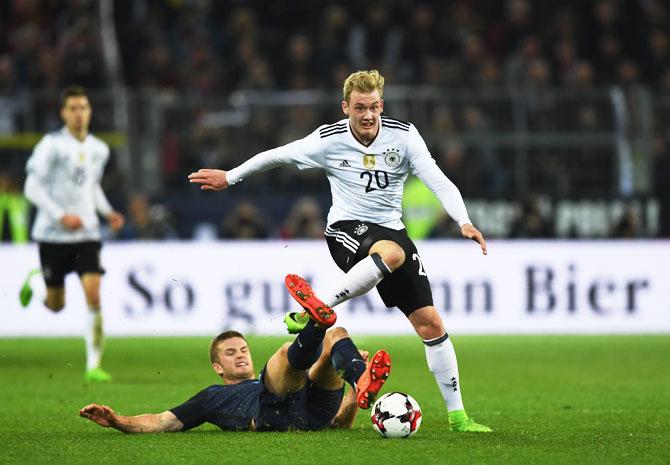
<point x="195" y="411"/>
<point x="41" y="160"/>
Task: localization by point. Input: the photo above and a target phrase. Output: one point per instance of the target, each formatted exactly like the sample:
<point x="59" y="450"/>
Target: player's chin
<point x="244" y="371"/>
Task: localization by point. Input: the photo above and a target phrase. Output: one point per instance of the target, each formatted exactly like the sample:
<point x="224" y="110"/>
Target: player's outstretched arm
<point x="470" y="232"/>
<point x="209" y="179"/>
<point x="145" y="423"/>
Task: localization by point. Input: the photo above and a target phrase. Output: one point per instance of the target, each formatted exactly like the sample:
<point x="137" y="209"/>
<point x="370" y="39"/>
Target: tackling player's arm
<point x="145" y="423"/>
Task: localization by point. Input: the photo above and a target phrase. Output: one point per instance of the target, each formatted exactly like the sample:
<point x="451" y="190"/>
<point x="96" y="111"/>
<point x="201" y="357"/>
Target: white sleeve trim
<point x="34" y="192"/>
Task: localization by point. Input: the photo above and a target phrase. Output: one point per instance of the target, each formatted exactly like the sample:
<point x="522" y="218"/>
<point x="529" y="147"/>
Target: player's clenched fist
<point x="209" y="180"/>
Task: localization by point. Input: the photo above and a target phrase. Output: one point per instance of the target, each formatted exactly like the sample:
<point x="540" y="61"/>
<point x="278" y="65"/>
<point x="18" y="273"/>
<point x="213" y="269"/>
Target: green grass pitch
<point x="550" y="399"/>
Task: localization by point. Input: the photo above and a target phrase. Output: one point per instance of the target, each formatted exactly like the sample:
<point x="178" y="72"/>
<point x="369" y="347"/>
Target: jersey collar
<point x="67" y="132"/>
<point x="351" y="132"/>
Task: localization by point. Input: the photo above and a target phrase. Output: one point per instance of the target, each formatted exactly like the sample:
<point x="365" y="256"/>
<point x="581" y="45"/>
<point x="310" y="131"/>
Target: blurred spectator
<point x="7" y="77"/>
<point x="245" y="222"/>
<point x="197" y="53"/>
<point x="147" y="222"/>
<point x="530" y="222"/>
<point x="628" y="226"/>
<point x="304" y="221"/>
<point x="493" y="175"/>
<point x="218" y="46"/>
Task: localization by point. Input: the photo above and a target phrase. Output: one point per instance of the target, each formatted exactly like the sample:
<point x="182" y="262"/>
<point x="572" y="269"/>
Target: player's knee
<point x="55" y="306"/>
<point x="396" y="258"/>
<point x="283" y="350"/>
<point x="391" y="253"/>
<point x="335" y="334"/>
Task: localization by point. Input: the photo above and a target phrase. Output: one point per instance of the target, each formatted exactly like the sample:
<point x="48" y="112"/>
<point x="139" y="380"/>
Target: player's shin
<point x="442" y="362"/>
<point x="347" y="360"/>
<point x="362" y="277"/>
<point x="307" y="346"/>
<point x="94" y="338"/>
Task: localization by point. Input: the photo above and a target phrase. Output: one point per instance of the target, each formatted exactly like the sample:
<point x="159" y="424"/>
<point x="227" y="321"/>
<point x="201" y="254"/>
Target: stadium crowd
<point x="200" y="49"/>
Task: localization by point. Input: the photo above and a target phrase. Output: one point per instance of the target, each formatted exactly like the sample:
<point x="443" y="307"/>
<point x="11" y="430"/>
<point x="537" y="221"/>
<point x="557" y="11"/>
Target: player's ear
<point x="218" y="368"/>
<point x="345" y="107"/>
<point x="381" y="106"/>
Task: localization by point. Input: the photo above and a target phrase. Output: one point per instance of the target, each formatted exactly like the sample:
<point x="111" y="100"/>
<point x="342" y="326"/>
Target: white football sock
<point x="364" y="275"/>
<point x="38" y="287"/>
<point x="442" y="363"/>
<point x="93" y="336"/>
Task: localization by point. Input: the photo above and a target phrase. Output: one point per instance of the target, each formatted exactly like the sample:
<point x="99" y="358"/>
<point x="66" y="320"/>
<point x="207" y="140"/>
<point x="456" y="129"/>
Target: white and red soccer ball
<point x="396" y="415"/>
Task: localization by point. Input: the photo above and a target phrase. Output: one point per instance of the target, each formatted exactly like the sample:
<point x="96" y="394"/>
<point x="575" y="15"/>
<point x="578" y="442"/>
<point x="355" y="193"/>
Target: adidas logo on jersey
<point x="345" y="164"/>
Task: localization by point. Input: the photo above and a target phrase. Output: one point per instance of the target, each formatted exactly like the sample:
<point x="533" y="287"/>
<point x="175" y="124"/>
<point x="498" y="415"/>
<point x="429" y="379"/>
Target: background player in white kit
<point x="367" y="158"/>
<point x="64" y="173"/>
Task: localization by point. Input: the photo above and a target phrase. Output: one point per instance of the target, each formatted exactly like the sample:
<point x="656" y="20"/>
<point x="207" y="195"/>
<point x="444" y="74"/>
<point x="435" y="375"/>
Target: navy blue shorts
<point x="311" y="408"/>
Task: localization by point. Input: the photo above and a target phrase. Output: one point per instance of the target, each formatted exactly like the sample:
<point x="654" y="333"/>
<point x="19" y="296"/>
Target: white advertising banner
<point x="201" y="288"/>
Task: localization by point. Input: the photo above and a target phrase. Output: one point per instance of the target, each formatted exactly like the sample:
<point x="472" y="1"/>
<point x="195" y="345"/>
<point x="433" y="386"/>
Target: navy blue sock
<point x="347" y="359"/>
<point x="306" y="348"/>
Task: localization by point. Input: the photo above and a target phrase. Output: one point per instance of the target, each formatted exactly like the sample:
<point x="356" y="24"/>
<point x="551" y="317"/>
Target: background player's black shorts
<point x="407" y="287"/>
<point x="310" y="409"/>
<point x="59" y="259"/>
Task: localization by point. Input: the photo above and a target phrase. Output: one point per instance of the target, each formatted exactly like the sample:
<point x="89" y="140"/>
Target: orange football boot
<point x="302" y="292"/>
<point x="371" y="382"/>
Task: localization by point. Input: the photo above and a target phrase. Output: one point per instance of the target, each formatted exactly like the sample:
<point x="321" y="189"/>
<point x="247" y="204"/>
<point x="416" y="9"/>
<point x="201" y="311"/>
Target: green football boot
<point x="26" y="293"/>
<point x="97" y="375"/>
<point x="460" y="421"/>
<point x="296" y="321"/>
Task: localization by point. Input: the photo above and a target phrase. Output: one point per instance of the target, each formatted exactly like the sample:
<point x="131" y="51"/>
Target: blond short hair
<point x="364" y="82"/>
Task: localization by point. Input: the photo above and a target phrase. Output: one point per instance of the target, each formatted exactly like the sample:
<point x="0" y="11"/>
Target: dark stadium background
<point x="538" y="111"/>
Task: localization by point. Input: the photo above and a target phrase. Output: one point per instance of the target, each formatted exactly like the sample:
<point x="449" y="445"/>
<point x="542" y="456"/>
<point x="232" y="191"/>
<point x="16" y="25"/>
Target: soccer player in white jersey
<point x="63" y="182"/>
<point x="367" y="158"/>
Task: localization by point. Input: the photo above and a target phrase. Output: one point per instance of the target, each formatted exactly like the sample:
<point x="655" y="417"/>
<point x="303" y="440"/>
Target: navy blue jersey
<point x="230" y="407"/>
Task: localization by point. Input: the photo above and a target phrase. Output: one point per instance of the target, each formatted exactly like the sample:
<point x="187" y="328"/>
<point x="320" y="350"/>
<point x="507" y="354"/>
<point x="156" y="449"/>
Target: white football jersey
<point x="64" y="177"/>
<point x="366" y="181"/>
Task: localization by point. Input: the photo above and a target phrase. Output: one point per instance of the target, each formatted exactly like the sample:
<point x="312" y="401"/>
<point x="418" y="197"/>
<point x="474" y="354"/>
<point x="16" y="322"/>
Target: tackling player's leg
<point x="340" y="355"/>
<point x="285" y="371"/>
